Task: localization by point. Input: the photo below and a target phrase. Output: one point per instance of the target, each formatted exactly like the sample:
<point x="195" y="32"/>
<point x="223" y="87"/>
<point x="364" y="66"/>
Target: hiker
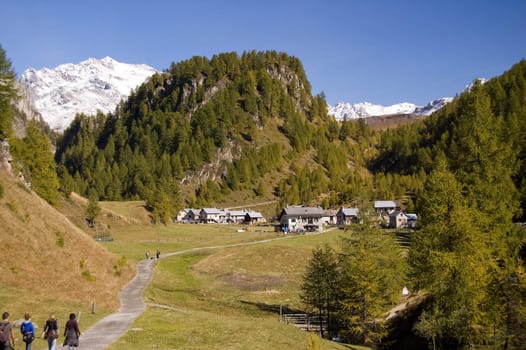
<point x="7" y="335"/>
<point x="158" y="254"/>
<point x="147" y="255"/>
<point x="28" y="331"/>
<point x="72" y="333"/>
<point x="51" y="332"/>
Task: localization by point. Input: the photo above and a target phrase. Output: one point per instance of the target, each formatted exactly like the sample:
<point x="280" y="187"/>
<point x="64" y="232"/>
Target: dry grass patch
<point x="42" y="249"/>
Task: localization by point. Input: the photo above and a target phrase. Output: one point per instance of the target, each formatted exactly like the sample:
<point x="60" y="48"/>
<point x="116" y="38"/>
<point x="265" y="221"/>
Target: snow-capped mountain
<point x="345" y="110"/>
<point x="62" y="92"/>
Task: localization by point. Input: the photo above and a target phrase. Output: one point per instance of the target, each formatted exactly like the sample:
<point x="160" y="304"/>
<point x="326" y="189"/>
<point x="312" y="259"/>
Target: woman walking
<point x="72" y="333"/>
<point x="51" y="332"/>
<point x="28" y="331"/>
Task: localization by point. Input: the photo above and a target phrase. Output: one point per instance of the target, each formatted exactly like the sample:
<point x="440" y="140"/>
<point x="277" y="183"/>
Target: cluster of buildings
<point x="219" y="216"/>
<point x="300" y="218"/>
<point x="303" y="218"/>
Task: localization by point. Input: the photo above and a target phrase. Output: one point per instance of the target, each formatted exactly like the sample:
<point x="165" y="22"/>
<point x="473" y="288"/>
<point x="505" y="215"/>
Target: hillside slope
<point x="41" y="246"/>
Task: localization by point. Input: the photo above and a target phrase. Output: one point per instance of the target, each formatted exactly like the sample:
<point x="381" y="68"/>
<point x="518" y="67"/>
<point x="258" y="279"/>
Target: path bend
<point x="112" y="327"/>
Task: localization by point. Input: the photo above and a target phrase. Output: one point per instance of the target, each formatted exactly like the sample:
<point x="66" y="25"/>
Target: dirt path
<point x="114" y="326"/>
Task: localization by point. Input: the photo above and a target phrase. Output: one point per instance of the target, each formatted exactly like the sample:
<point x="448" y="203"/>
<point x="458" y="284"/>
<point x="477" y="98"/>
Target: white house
<point x="253" y="217"/>
<point x="301" y="218"/>
<point x="188" y="215"/>
<point x="236" y="216"/>
<point x="209" y="216"/>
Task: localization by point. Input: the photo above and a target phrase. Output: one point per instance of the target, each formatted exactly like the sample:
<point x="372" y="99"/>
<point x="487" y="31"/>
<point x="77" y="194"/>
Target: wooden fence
<point x="306" y="322"/>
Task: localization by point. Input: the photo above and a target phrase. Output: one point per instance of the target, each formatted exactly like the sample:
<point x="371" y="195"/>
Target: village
<point x="300" y="218"/>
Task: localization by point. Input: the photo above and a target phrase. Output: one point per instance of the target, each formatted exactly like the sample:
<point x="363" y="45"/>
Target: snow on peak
<point x="346" y="110"/>
<point x="87" y="87"/>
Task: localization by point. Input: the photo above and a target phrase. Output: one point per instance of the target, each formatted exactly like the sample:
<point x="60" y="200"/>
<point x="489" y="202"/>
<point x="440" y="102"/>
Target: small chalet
<point x="301" y="219"/>
<point x="397" y="219"/>
<point x="411" y="220"/>
<point x="330" y="217"/>
<point x="253" y="217"/>
<point x="347" y="216"/>
<point x="188" y="215"/>
<point x="384" y="206"/>
<point x="209" y="216"/>
<point x="236" y="216"/>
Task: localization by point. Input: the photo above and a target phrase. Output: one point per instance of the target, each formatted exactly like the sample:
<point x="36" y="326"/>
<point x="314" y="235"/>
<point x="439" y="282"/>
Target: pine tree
<point x="319" y="289"/>
<point x="34" y="152"/>
<point x="449" y="261"/>
<point x="7" y="94"/>
<point x="373" y="276"/>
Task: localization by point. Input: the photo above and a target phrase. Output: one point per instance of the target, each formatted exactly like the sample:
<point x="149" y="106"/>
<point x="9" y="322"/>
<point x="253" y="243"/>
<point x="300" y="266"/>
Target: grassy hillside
<point x="45" y="256"/>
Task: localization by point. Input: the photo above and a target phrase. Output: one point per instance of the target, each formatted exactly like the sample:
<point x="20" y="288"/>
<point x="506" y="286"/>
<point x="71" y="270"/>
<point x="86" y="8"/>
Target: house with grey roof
<point x="385" y="206"/>
<point x="347" y="216"/>
<point x="209" y="216"/>
<point x="188" y="215"/>
<point x="301" y="218"/>
<point x="254" y="217"/>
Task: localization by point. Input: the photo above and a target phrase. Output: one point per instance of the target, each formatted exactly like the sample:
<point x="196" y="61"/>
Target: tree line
<point x="467" y="258"/>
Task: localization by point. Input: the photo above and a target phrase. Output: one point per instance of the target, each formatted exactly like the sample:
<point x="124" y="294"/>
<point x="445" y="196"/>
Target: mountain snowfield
<point x="345" y="110"/>
<point x="90" y="86"/>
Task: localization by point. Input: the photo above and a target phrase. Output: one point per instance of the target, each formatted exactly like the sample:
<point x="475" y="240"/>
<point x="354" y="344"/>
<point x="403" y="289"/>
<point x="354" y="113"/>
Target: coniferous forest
<point x="209" y="129"/>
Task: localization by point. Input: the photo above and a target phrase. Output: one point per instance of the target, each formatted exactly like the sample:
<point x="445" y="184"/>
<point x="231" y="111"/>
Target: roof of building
<point x="211" y="210"/>
<point x="303" y="211"/>
<point x="254" y="214"/>
<point x="384" y="204"/>
<point x="350" y="211"/>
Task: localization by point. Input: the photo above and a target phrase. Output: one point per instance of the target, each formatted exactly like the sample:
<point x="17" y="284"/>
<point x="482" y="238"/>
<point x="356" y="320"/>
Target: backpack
<point x="4" y="332"/>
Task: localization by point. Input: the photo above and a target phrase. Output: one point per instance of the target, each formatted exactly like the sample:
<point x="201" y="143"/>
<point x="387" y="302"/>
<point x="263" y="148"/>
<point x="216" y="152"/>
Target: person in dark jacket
<point x="72" y="333"/>
<point x="51" y="332"/>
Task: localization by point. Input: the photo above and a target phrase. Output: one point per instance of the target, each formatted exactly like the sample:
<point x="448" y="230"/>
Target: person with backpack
<point x="7" y="335"/>
<point x="51" y="332"/>
<point x="28" y="331"/>
<point x="72" y="333"/>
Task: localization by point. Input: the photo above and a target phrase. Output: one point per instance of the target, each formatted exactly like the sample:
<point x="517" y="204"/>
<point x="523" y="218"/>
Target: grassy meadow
<point x="223" y="295"/>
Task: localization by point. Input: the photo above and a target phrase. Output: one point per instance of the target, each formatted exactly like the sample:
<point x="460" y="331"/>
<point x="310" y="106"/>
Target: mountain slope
<point x="87" y="87"/>
<point x="40" y="242"/>
<point x="228" y="118"/>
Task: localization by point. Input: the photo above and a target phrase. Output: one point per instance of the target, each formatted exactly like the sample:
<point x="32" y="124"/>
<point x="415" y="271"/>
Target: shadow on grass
<point x="274" y="308"/>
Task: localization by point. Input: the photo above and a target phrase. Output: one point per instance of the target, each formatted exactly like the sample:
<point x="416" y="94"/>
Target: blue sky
<point x="383" y="52"/>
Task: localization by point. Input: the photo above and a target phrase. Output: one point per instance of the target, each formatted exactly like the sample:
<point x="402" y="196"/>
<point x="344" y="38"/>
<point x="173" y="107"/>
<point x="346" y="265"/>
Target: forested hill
<point x="246" y="128"/>
<point x="482" y="134"/>
<point x="209" y="129"/>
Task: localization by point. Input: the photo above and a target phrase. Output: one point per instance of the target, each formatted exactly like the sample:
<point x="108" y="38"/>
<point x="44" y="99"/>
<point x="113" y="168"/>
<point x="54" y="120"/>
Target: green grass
<point x="194" y="305"/>
<point x="133" y="241"/>
<point x="221" y="296"/>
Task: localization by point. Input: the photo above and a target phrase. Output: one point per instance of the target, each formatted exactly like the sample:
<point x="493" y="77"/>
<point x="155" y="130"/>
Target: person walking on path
<point x="28" y="331"/>
<point x="72" y="333"/>
<point x="51" y="332"/>
<point x="7" y="335"/>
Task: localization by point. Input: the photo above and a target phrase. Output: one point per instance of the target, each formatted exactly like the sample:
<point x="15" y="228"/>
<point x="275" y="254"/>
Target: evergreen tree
<point x="34" y="151"/>
<point x="320" y="286"/>
<point x="449" y="260"/>
<point x="7" y="94"/>
<point x="93" y="210"/>
<point x="373" y="276"/>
